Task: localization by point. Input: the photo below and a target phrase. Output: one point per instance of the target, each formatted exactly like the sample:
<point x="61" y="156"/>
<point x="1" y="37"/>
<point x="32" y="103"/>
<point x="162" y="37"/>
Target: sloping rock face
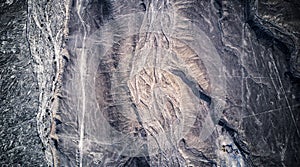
<point x="149" y="83"/>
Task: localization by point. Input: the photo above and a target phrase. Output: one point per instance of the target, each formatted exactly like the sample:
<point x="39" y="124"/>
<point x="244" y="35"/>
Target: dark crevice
<point x="233" y="133"/>
<point x="196" y="88"/>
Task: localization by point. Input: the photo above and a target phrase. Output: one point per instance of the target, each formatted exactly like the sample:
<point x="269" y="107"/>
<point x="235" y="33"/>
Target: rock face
<point x="19" y="91"/>
<point x="149" y="83"/>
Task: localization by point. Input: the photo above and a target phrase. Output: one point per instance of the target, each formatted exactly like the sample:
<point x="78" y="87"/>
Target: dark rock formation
<point x="149" y="83"/>
<point x="19" y="91"/>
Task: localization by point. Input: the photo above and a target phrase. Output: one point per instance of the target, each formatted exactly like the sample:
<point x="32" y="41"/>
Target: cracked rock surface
<point x="149" y="83"/>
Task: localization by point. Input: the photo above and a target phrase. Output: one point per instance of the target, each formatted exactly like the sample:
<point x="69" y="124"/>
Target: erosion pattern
<point x="150" y="83"/>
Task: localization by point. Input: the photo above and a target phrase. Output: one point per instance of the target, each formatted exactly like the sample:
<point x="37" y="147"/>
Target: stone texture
<point x="150" y="83"/>
<point x="19" y="140"/>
